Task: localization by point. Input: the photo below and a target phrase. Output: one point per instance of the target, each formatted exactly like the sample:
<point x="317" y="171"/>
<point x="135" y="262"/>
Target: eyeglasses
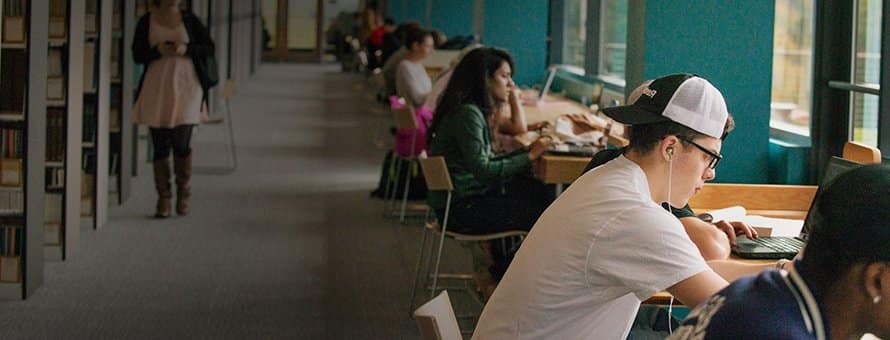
<point x="715" y="157"/>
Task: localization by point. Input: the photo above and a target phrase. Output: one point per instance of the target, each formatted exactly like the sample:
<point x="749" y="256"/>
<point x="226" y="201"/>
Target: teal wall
<point x="519" y="26"/>
<point x="730" y="43"/>
<point x="454" y="17"/>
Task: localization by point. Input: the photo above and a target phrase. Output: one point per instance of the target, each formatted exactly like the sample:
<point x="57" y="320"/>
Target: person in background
<point x="838" y="289"/>
<point x="608" y="242"/>
<point x="375" y="43"/>
<point x="172" y="96"/>
<point x="369" y="20"/>
<point x="492" y="193"/>
<point x="412" y="81"/>
<point x="712" y="240"/>
<point x="393" y="61"/>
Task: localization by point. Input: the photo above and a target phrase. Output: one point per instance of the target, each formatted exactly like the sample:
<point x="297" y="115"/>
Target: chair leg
<point x="436" y="268"/>
<point x="418" y="271"/>
<point x="407" y="187"/>
<point x="388" y="184"/>
<point x="395" y="186"/>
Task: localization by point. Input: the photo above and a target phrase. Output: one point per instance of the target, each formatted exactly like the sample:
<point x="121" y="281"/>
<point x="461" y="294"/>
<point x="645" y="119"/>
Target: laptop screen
<point x="836" y="166"/>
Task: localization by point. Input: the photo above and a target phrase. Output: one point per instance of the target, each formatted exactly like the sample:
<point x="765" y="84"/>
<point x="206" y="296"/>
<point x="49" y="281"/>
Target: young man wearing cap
<point x="606" y="243"/>
<point x="840" y="289"/>
<point x="713" y="240"/>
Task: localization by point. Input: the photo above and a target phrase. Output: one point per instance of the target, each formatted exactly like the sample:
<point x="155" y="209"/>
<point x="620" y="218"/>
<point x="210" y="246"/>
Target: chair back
<point x="436" y="319"/>
<point x="228" y="89"/>
<point x="861" y="153"/>
<point x="435" y="172"/>
<point x="404" y="116"/>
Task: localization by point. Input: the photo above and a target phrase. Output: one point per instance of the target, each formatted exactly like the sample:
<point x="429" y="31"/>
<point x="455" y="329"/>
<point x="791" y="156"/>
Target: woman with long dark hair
<point x="172" y="98"/>
<point x="492" y="192"/>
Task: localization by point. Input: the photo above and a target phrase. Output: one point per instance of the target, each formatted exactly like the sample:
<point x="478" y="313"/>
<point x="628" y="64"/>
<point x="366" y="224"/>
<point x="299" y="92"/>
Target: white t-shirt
<point x="412" y="82"/>
<point x="600" y="249"/>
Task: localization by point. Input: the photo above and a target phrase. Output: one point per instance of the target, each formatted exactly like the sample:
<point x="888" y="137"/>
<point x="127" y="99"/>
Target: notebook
<point x="778" y="247"/>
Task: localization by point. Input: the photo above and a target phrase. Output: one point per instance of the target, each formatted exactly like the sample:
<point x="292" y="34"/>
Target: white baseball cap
<point x="686" y="99"/>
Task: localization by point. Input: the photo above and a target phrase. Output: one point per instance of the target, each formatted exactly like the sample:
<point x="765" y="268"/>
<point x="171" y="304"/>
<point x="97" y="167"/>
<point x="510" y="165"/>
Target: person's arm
<point x="697" y="288"/>
<point x="712" y="243"/>
<point x="516" y="124"/>
<point x="476" y="153"/>
<point x="732" y="270"/>
<point x="143" y="52"/>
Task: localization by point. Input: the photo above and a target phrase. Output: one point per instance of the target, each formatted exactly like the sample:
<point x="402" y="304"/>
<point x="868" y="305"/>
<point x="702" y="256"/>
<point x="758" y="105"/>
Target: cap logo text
<point x="649" y="92"/>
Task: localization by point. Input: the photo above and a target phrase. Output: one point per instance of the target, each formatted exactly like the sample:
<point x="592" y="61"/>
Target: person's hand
<point x="734" y="228"/>
<point x="513" y="94"/>
<point x="179" y="48"/>
<point x="538" y="126"/>
<point x="537" y="148"/>
<point x="167" y="49"/>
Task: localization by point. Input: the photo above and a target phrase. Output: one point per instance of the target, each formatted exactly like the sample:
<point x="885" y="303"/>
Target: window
<point x="613" y="41"/>
<point x="575" y="36"/>
<point x="792" y="66"/>
<point x="866" y="71"/>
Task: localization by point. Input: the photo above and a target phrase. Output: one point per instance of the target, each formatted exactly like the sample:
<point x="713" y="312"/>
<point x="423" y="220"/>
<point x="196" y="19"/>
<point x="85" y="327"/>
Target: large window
<point x="792" y="66"/>
<point x="575" y="37"/>
<point x="866" y="71"/>
<point x="613" y="40"/>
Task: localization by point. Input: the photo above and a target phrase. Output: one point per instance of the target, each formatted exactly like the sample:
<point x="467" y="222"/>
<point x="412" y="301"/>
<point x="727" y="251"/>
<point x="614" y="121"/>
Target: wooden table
<point x="664" y="298"/>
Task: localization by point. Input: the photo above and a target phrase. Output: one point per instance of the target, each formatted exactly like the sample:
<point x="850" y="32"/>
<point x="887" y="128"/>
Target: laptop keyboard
<point x="781" y="244"/>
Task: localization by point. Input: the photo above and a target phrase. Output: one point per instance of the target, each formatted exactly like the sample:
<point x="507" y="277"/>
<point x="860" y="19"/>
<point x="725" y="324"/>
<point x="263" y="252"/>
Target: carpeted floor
<point x="287" y="247"/>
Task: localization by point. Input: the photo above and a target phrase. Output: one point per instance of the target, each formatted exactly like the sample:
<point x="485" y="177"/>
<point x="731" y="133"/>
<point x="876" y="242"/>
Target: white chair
<point x="229" y="134"/>
<point x="405" y="119"/>
<point x="438" y="179"/>
<point x="436" y="319"/>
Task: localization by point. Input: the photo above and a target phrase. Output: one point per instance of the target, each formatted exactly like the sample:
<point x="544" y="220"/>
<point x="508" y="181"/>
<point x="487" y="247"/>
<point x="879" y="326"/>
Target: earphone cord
<point x="670" y="209"/>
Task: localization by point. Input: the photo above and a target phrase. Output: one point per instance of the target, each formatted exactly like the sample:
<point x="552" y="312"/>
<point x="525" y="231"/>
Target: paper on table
<point x="768" y="226"/>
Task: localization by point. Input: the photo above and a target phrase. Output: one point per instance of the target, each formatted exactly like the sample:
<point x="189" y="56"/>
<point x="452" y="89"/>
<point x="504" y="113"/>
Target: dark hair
<point x="470" y="83"/>
<point x="439" y="37"/>
<point x="644" y="137"/>
<point x="404" y="28"/>
<point x="849" y="226"/>
<point x="389" y="21"/>
<point x="415" y="36"/>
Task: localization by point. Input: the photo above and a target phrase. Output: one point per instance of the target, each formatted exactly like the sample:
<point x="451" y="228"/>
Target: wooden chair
<point x="436" y="319"/>
<point x="438" y="179"/>
<point x="231" y="164"/>
<point x="404" y="119"/>
<point x="861" y="153"/>
<point x="781" y="201"/>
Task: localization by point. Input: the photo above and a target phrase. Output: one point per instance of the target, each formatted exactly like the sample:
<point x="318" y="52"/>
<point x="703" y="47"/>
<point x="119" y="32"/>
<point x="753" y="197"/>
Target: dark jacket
<point x="200" y="46"/>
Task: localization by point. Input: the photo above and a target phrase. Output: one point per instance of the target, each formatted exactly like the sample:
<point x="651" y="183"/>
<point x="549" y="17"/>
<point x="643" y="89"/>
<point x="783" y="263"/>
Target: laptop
<point x="788" y="247"/>
<point x="572" y="148"/>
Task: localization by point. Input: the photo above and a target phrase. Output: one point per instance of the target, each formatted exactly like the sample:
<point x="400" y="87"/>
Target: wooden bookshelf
<point x="23" y="93"/>
<point x="96" y="108"/>
<point x="63" y="129"/>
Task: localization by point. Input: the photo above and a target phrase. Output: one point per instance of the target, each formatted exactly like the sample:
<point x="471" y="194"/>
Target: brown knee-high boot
<point x="182" y="166"/>
<point x="162" y="185"/>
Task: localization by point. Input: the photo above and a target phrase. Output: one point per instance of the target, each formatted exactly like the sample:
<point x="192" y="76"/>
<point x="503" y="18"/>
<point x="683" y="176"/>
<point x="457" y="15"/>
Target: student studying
<point x="608" y="242"/>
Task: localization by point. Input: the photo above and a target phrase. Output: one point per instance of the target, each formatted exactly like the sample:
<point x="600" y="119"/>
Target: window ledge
<point x="789" y="133"/>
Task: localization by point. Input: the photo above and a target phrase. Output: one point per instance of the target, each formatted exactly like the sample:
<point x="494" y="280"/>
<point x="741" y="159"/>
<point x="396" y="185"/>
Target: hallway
<point x="287" y="247"/>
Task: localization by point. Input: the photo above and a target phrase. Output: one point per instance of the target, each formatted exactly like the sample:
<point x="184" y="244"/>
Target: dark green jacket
<point x="463" y="138"/>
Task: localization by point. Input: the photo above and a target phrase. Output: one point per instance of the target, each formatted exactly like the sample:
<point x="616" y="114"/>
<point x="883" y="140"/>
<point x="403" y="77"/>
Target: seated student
<point x="608" y="243"/>
<point x="491" y="192"/>
<point x="712" y="240"/>
<point x="412" y="81"/>
<point x="840" y="289"/>
<point x="392" y="61"/>
<point x="375" y="42"/>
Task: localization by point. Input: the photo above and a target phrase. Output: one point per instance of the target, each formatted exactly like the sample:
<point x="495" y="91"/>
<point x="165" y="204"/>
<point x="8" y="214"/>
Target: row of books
<point x="55" y="135"/>
<point x="14" y="8"/>
<point x="12" y="240"/>
<point x="14" y="82"/>
<point x="12" y="143"/>
<point x="58" y="10"/>
<point x="90" y="67"/>
<point x="55" y="178"/>
<point x="89" y="122"/>
<point x="10" y="172"/>
<point x="12" y="201"/>
<point x="91" y="17"/>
